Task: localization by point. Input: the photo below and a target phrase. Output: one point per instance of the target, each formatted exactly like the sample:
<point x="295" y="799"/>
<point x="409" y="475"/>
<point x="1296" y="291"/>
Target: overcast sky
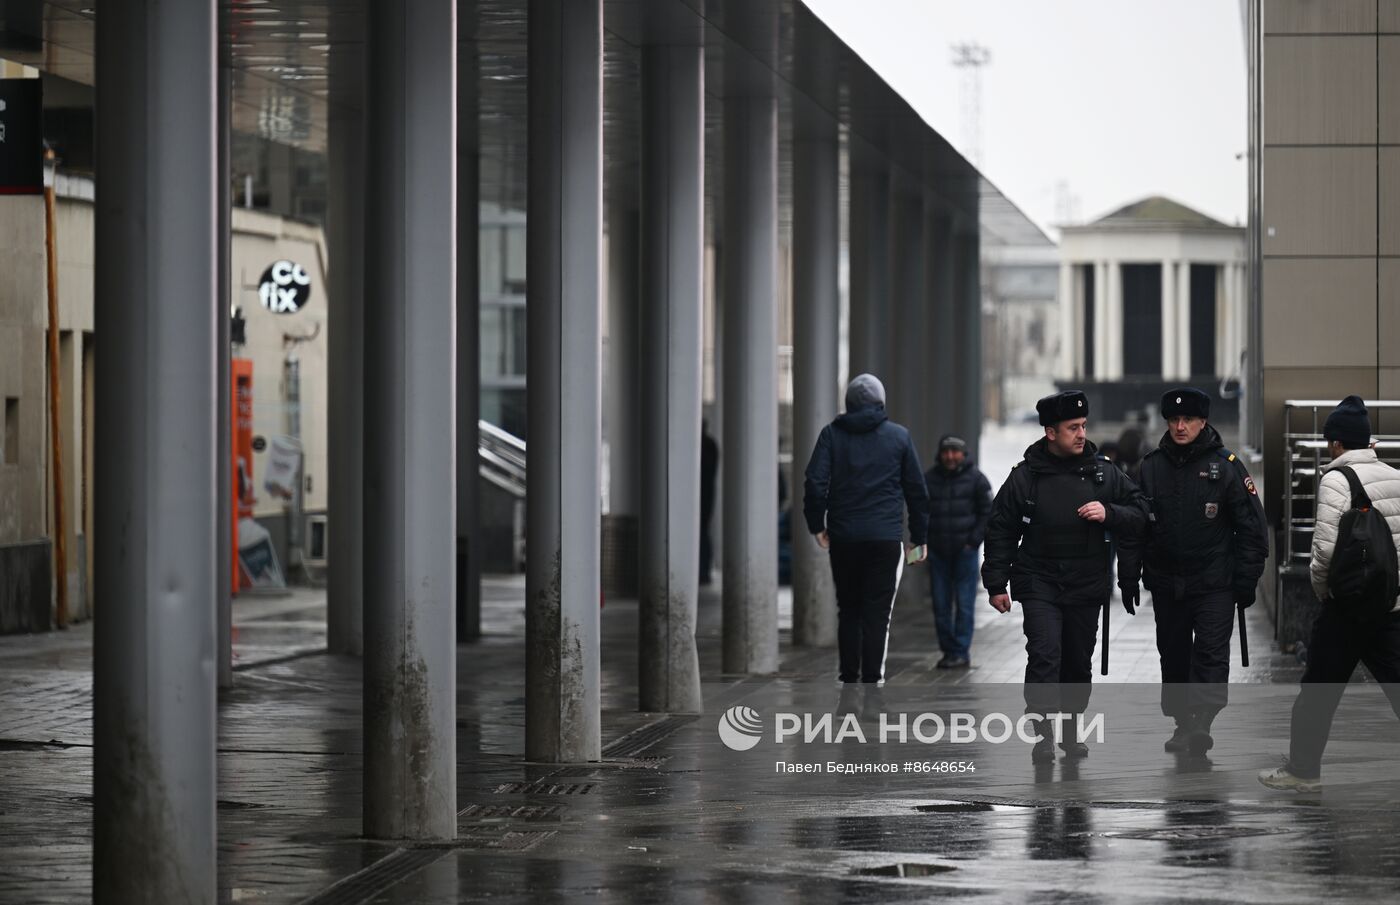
<point x="1116" y="99"/>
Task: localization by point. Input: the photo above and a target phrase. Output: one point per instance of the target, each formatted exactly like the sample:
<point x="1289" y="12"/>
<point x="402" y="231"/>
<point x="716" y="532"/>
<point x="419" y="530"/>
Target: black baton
<point x="1244" y="639"/>
<point x="1103" y="664"/>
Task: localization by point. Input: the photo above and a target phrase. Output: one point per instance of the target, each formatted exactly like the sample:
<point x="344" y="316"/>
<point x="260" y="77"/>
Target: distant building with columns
<point x="1152" y="295"/>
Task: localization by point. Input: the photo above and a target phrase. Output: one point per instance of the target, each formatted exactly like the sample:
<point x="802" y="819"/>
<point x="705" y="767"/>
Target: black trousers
<point x="1337" y="645"/>
<point x="1193" y="642"/>
<point x="1059" y="655"/>
<point x="866" y="574"/>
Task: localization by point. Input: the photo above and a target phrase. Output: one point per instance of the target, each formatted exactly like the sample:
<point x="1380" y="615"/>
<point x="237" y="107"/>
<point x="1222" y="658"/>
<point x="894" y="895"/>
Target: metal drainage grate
<point x="634" y="743"/>
<point x="541" y="787"/>
<point x="378" y="877"/>
<point x="907" y="870"/>
<point x="513" y="812"/>
<point x="1192" y="833"/>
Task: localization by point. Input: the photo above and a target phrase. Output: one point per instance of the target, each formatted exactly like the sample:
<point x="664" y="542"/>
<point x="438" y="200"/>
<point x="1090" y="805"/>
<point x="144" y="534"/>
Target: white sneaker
<point x="1284" y="781"/>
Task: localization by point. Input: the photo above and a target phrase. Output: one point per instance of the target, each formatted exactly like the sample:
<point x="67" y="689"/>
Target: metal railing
<point x="1306" y="453"/>
<point x="502" y="462"/>
<point x="502" y="459"/>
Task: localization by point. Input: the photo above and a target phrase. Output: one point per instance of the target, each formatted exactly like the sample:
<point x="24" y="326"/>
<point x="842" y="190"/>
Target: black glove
<point x="1244" y="597"/>
<point x="1131" y="597"/>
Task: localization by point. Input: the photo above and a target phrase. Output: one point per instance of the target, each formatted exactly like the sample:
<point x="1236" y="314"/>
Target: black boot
<point x="1177" y="743"/>
<point x="1044" y="750"/>
<point x="1199" y="741"/>
<point x="1072" y="746"/>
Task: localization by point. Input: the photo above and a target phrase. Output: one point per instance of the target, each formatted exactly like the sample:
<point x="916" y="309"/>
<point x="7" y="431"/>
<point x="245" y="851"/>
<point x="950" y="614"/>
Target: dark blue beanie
<point x="1349" y="424"/>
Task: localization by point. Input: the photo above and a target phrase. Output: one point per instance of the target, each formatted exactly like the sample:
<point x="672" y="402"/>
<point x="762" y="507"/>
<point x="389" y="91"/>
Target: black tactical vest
<point x="1053" y="528"/>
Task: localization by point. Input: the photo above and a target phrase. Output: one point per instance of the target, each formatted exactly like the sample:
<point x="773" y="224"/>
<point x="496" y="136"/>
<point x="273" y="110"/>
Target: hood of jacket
<point x="863" y="420"/>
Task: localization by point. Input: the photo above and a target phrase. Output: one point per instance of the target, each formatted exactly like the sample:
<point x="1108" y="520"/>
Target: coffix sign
<point x="284" y="288"/>
<point x="21" y="137"/>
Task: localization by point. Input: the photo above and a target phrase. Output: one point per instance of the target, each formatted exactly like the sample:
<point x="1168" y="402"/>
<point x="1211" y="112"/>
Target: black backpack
<point x="1364" y="578"/>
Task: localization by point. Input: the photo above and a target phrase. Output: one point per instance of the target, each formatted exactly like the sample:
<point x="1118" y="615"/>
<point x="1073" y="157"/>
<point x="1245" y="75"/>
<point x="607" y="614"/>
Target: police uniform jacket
<point x="1206" y="531"/>
<point x="1036" y="540"/>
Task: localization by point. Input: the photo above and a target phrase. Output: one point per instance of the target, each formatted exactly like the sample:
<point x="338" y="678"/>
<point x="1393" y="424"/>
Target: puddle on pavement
<point x="965" y="807"/>
<point x="905" y="870"/>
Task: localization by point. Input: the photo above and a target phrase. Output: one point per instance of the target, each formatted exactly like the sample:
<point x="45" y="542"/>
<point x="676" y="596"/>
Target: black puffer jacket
<point x="863" y="472"/>
<point x="1036" y="541"/>
<point x="959" y="504"/>
<point x="1207" y="530"/>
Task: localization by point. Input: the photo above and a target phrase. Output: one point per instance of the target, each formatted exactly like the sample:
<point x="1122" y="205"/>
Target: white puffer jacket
<point x="1382" y="485"/>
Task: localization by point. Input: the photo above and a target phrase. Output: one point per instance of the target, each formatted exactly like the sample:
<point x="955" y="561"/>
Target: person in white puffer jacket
<point x="1339" y="641"/>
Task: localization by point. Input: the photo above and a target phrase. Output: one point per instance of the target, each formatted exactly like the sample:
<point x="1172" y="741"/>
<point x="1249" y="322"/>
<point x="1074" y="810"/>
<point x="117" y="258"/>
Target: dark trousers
<point x="866" y="574"/>
<point x="1193" y="642"/>
<point x="953" y="583"/>
<point x="1059" y="655"/>
<point x="706" y="549"/>
<point x="1337" y="645"/>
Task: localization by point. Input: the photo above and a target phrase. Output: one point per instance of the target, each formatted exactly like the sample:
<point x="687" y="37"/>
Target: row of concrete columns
<point x="915" y="305"/>
<point x="403" y="384"/>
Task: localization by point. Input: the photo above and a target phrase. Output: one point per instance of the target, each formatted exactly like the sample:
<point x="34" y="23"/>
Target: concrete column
<point x="967" y="413"/>
<point x="565" y="228"/>
<point x="155" y="480"/>
<point x="223" y="418"/>
<point x="750" y="454"/>
<point x="345" y="383"/>
<point x="906" y="384"/>
<point x="1114" y="321"/>
<point x="1183" y="322"/>
<point x="940" y="346"/>
<point x="1169" y="337"/>
<point x="1239" y="318"/>
<point x="622" y="391"/>
<point x="816" y="239"/>
<point x="1101" y="324"/>
<point x="673" y="246"/>
<point x="1069" y="338"/>
<point x="410" y="465"/>
<point x="468" y="330"/>
<point x="869" y="329"/>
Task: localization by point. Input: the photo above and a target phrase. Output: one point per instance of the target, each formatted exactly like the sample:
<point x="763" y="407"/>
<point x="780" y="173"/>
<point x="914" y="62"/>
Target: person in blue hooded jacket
<point x="864" y="473"/>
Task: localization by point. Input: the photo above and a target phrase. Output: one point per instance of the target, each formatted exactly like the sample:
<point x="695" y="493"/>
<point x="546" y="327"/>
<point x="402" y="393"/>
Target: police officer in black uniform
<point x="1048" y="538"/>
<point x="1201" y="557"/>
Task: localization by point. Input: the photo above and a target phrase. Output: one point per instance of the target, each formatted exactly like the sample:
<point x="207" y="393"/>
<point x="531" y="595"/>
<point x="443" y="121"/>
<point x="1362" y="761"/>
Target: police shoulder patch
<point x="1249" y="485"/>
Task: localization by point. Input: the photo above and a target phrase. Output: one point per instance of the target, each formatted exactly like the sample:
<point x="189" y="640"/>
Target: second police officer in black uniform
<point x="1048" y="539"/>
<point x="1201" y="557"/>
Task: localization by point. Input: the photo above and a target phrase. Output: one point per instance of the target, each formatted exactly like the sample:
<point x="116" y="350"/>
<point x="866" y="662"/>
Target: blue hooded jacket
<point x="864" y="472"/>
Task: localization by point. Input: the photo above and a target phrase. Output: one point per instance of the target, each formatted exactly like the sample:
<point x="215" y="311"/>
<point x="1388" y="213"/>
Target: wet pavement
<point x="672" y="814"/>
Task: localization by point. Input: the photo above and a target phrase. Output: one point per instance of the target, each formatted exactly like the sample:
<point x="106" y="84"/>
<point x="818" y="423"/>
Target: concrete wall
<point x="1330" y="208"/>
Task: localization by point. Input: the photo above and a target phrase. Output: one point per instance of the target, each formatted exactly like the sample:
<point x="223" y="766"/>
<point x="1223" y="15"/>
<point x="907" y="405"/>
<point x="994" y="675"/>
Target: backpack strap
<point x="1359" y="498"/>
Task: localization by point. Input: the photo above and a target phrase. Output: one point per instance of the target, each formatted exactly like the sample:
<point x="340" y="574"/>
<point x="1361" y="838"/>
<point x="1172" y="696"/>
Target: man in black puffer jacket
<point x="863" y="474"/>
<point x="1201" y="557"/>
<point x="959" y="503"/>
<point x="1048" y="538"/>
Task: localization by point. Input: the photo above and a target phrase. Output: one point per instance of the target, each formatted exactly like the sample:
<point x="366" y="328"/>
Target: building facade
<point x="1151" y="295"/>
